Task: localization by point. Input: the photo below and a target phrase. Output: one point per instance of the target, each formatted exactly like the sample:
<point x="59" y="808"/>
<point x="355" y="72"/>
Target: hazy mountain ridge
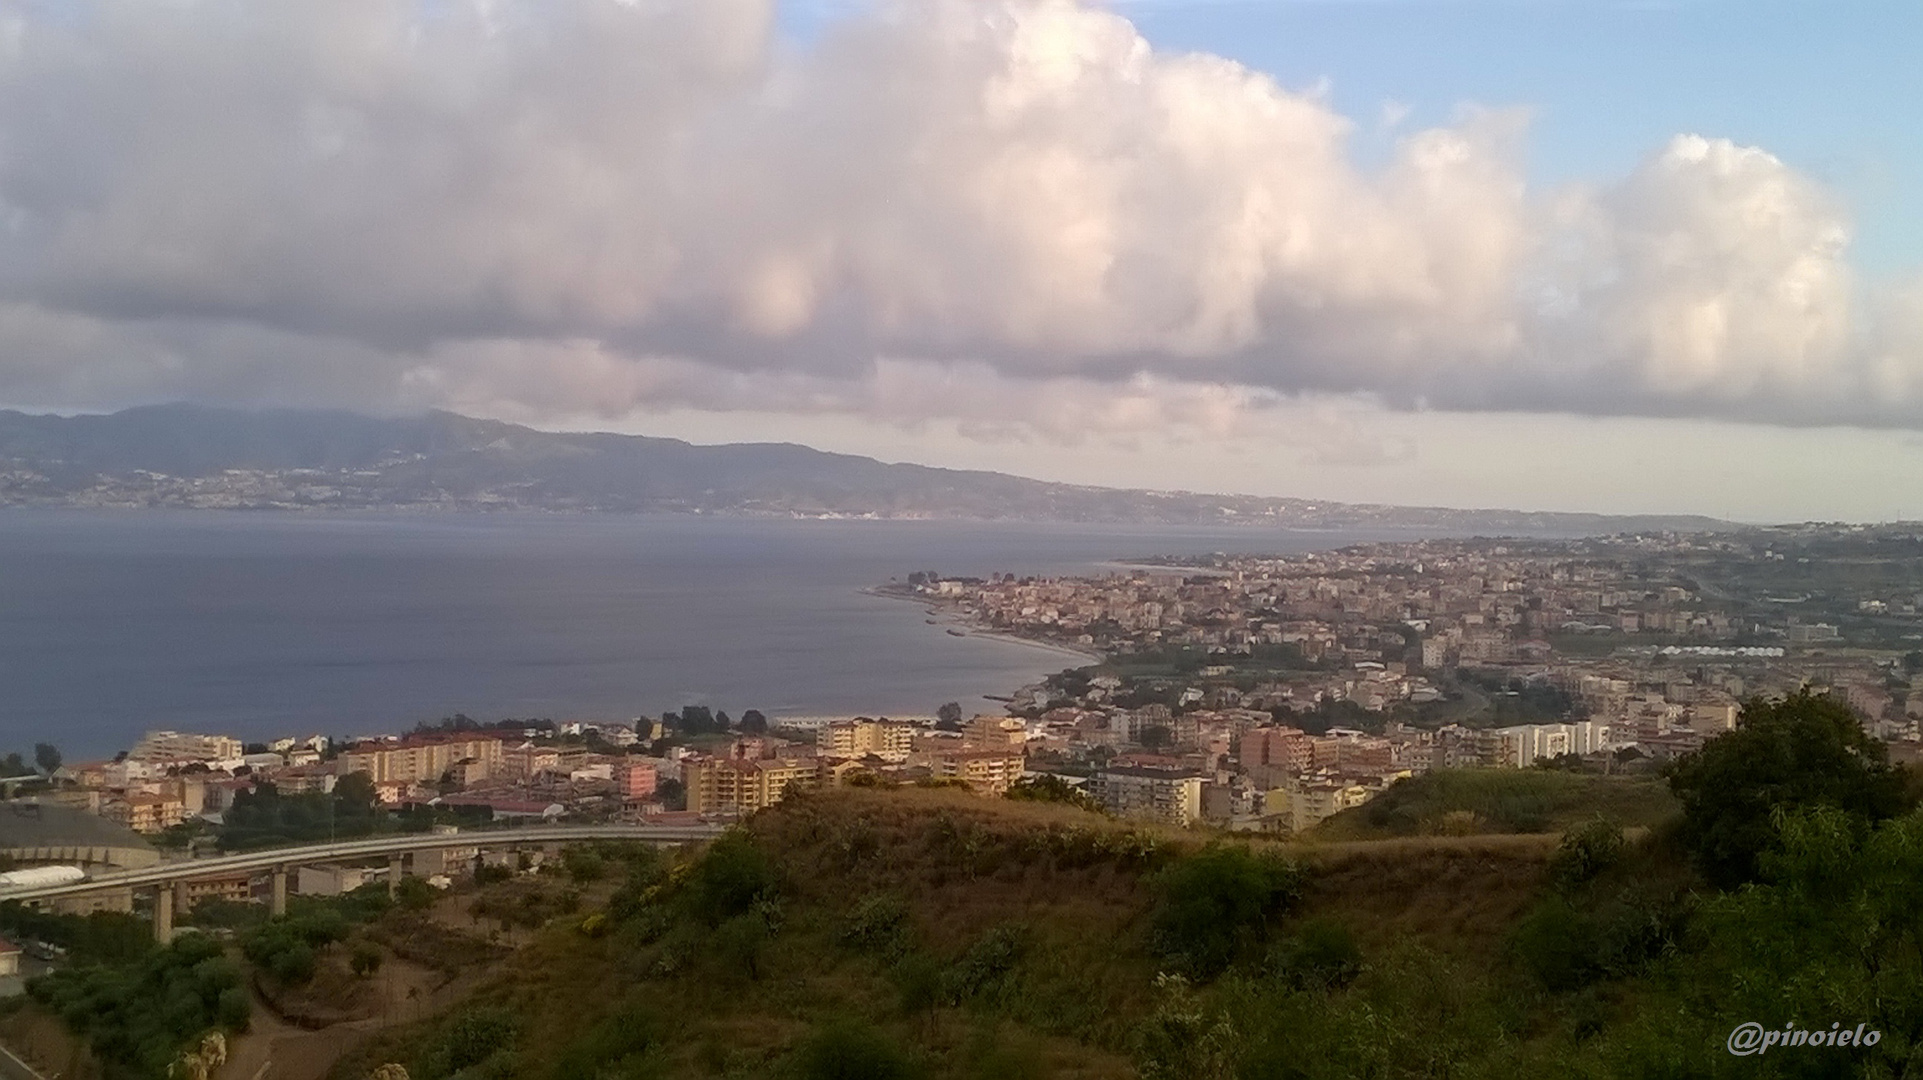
<point x="187" y="456"/>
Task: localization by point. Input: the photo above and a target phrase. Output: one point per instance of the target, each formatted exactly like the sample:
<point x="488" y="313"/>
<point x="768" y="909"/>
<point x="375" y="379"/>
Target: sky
<point x="1609" y="256"/>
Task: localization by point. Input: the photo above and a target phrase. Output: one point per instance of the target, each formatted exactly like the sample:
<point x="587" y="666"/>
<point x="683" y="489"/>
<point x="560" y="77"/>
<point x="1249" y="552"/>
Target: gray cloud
<point x="1003" y="211"/>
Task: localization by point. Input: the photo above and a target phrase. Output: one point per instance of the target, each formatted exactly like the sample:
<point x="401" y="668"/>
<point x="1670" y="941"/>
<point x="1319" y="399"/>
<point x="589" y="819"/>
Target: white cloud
<point x="1008" y="212"/>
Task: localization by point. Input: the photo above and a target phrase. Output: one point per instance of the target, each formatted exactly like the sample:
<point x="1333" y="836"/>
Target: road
<point x="347" y="850"/>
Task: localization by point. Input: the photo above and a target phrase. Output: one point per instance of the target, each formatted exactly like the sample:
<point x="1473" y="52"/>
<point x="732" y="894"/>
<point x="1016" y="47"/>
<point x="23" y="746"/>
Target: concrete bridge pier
<point x="279" y="905"/>
<point x="396" y="866"/>
<point x="164" y="914"/>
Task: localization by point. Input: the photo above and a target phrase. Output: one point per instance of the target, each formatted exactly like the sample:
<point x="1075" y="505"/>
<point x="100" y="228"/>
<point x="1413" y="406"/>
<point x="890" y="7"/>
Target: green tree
<point x="1054" y="789"/>
<point x="1803" y="751"/>
<point x="47" y="756"/>
<point x="1155" y="737"/>
<point x="754" y="723"/>
<point x="949" y="713"/>
<point x="14" y="765"/>
<point x="1219" y="905"/>
<point x="673" y="794"/>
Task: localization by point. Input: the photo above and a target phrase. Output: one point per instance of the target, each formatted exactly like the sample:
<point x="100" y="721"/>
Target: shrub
<point x="728" y="878"/>
<point x="583" y="864"/>
<point x="878" y="924"/>
<point x="467" y="1040"/>
<point x="1586" y="851"/>
<point x="851" y="1051"/>
<point x="1219" y="905"/>
<point x="980" y="971"/>
<point x="629" y="1033"/>
<point x="1320" y="954"/>
<point x="1558" y="944"/>
<point x="364" y="958"/>
<point x="414" y="894"/>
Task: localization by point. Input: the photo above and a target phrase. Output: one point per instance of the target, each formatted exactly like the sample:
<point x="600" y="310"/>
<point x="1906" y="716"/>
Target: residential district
<point x="1236" y="692"/>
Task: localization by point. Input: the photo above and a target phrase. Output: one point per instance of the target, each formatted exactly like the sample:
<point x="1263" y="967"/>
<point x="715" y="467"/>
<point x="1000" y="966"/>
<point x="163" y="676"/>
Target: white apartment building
<point x="180" y="746"/>
<point x="1523" y="745"/>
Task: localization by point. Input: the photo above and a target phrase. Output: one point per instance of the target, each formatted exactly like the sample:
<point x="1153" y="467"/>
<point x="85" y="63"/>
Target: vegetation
<point x="265" y="817"/>
<point x="913" y="933"/>
<point x="1054" y="789"/>
<point x="1805" y="751"/>
<point x="1475" y="801"/>
<point x="138" y="1017"/>
<point x="103" y="937"/>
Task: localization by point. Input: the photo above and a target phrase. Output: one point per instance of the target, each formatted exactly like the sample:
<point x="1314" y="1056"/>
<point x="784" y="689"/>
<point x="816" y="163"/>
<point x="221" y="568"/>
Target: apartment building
<point x="1523" y="745"/>
<point x="988" y="771"/>
<point x="179" y="747"/>
<point x="889" y="740"/>
<point x="735" y="785"/>
<point x="144" y="812"/>
<point x="422" y="758"/>
<point x="1173" y="796"/>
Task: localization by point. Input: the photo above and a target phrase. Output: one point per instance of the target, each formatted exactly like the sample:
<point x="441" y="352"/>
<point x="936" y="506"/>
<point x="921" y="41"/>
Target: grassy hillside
<point x="1474" y="801"/>
<point x="934" y="934"/>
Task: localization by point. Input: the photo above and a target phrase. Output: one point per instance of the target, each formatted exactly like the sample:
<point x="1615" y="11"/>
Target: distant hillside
<point x="1465" y="801"/>
<point x="195" y="457"/>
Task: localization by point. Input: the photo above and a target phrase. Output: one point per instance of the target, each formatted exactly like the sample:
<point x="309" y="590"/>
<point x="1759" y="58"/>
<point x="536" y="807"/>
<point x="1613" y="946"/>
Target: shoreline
<point x="949" y="618"/>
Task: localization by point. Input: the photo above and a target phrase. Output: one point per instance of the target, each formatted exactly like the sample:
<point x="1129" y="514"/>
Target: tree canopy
<point x="1802" y="752"/>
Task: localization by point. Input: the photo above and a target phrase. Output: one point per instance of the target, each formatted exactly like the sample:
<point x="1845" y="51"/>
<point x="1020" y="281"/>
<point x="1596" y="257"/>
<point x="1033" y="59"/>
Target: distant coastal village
<point x="1235" y="692"/>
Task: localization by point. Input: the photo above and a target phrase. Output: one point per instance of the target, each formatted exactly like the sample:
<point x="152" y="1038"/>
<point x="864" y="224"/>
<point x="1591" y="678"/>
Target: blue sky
<point x="1834" y="89"/>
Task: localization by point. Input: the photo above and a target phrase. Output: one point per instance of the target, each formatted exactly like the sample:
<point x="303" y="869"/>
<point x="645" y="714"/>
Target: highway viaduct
<point x="169" y="877"/>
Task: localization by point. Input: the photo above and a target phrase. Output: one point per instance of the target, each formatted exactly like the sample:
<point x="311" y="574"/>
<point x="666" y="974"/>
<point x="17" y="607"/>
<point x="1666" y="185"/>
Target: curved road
<point x="279" y="858"/>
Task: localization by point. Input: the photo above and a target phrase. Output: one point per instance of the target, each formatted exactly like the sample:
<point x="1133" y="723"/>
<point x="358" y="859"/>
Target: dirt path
<point x="44" y="1045"/>
<point x="274" y="1049"/>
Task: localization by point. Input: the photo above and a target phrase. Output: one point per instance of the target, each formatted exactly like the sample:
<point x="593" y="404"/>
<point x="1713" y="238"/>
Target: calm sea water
<point x="269" y="624"/>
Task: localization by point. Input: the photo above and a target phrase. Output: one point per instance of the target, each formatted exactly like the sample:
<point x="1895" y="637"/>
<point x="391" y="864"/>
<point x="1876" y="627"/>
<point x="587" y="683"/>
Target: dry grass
<point x="963" y="866"/>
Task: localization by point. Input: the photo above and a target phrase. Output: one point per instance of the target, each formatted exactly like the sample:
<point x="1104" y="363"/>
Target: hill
<point x="921" y="934"/>
<point x="1474" y="801"/>
<point x="196" y="457"/>
<point x="935" y="934"/>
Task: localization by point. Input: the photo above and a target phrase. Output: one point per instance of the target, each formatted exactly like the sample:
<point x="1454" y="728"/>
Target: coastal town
<point x="1236" y="692"/>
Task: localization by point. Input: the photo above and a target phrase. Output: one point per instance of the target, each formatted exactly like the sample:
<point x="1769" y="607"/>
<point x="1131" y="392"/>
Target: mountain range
<point x="190" y="456"/>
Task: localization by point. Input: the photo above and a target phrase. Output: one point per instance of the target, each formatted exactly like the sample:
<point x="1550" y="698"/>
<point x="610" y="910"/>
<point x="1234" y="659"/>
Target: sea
<point x="263" y="624"/>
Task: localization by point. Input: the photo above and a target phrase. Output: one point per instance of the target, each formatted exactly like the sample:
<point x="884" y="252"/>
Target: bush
<point x="364" y="959"/>
<point x="629" y="1034"/>
<point x="1321" y="954"/>
<point x="982" y="969"/>
<point x="469" y="1039"/>
<point x="1218" y="906"/>
<point x="583" y="864"/>
<point x="1586" y="851"/>
<point x="879" y="925"/>
<point x="1559" y="945"/>
<point x="851" y="1051"/>
<point x="728" y="879"/>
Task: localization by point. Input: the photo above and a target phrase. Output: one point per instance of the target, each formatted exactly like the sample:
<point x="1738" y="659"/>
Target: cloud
<point x="1009" y="212"/>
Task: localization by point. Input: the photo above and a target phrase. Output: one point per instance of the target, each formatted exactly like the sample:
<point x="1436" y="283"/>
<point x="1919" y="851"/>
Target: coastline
<point x="949" y="618"/>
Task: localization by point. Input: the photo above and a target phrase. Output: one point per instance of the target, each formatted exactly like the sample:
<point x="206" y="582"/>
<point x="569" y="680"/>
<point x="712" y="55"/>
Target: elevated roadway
<point x="395" y="848"/>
